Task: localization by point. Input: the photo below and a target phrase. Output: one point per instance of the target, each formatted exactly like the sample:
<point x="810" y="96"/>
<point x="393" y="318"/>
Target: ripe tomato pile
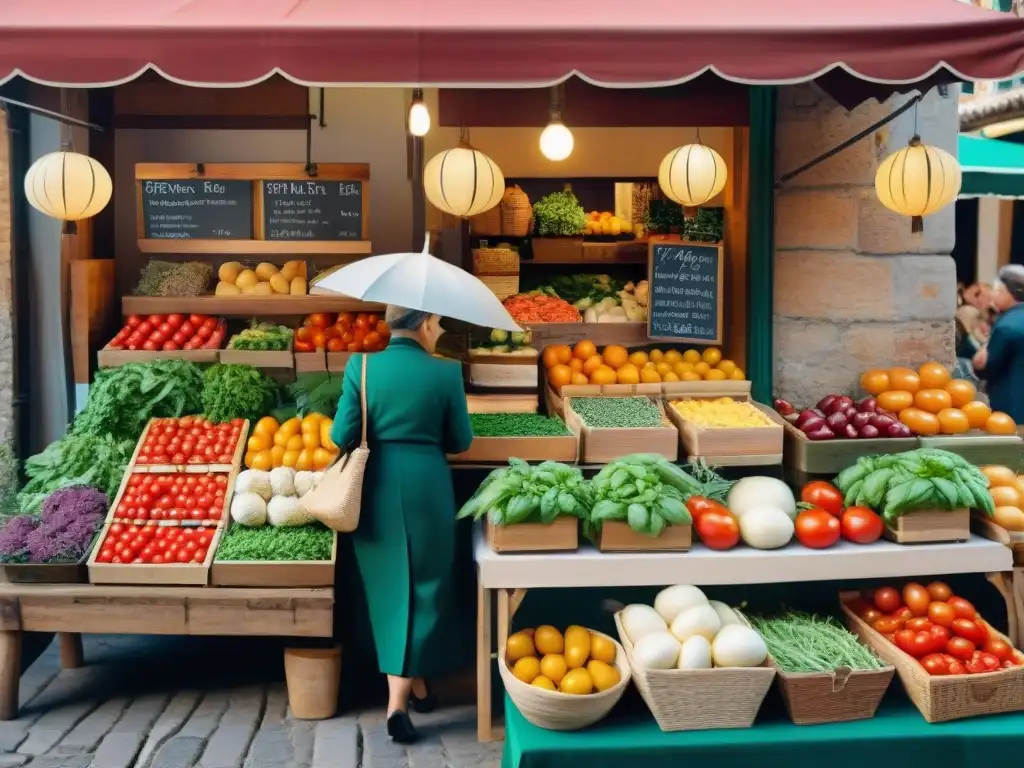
<point x="827" y="519"/>
<point x="190" y="440"/>
<point x="155" y="544"/>
<point x="942" y="631"/>
<point x="170" y="333"/>
<point x="348" y="332"/>
<point x="195" y="497"/>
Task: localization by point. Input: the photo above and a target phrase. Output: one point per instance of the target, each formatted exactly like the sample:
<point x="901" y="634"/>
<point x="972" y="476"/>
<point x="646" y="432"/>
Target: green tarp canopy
<point x="991" y="168"/>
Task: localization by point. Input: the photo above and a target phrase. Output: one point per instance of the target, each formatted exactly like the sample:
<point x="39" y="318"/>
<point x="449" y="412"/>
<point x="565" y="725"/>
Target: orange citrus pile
<point x="583" y="364"/>
<point x="303" y="444"/>
<point x="931" y="402"/>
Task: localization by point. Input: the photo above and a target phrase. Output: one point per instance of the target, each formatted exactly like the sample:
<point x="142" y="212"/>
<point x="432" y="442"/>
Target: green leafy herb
<point x="516" y="425"/>
<point x="559" y="215"/>
<point x="171" y="278"/>
<point x="316" y="393"/>
<point x="236" y="392"/>
<point x="75" y="459"/>
<point x="269" y="543"/>
<point x="801" y="642"/>
<point x="646" y="491"/>
<point x="521" y="493"/>
<point x="263" y="337"/>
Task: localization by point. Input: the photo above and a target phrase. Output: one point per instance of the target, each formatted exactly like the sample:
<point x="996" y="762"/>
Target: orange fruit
<point x="961" y="392"/>
<point x="649" y="375"/>
<point x="576" y="365"/>
<point x="904" y="379"/>
<point x="933" y="400"/>
<point x="663" y="369"/>
<point x="592" y="363"/>
<point x="556" y="354"/>
<point x="681" y="367"/>
<point x="249" y="456"/>
<point x="921" y="422"/>
<point x="615" y="356"/>
<point x="579" y="379"/>
<point x="738" y="375"/>
<point x="977" y="413"/>
<point x="702" y="368"/>
<point x="691" y="376"/>
<point x="1000" y="423"/>
<point x="584" y="349"/>
<point x="895" y="400"/>
<point x="726" y="367"/>
<point x="559" y="376"/>
<point x="712" y="356"/>
<point x="670" y="376"/>
<point x="1005" y="496"/>
<point x="999" y="476"/>
<point x="716" y="374"/>
<point x="603" y="375"/>
<point x="639" y="359"/>
<point x="934" y="375"/>
<point x="628" y="374"/>
<point x="656" y="355"/>
<point x="875" y="382"/>
<point x="263" y="460"/>
<point x="953" y="421"/>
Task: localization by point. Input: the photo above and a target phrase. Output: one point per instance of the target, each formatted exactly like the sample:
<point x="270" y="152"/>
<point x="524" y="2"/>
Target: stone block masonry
<point x="6" y="334"/>
<point x="854" y="288"/>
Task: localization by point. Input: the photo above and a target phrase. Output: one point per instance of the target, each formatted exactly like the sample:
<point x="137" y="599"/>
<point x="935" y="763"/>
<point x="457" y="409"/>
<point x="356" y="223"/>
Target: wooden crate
<point x="712" y="443"/>
<point x="830" y="457"/>
<point x="557" y="249"/>
<point x="600" y="445"/>
<point x="502" y="403"/>
<point x="981" y="449"/>
<point x="944" y="697"/>
<point x="115" y="358"/>
<point x="49" y="573"/>
<point x="336" y="361"/>
<point x="189" y="574"/>
<point x="617" y="536"/>
<point x="501" y="286"/>
<point x="165" y="469"/>
<point x="839" y="696"/>
<point x="931" y="526"/>
<point x="260" y="358"/>
<point x="541" y="448"/>
<point x="668" y="389"/>
<point x="493" y="371"/>
<point x="560" y="536"/>
<point x="270" y="573"/>
<point x="311" y="362"/>
<point x="122" y="489"/>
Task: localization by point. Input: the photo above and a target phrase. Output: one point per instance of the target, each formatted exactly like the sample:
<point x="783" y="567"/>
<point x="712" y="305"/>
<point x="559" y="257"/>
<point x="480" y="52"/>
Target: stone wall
<point x="6" y="336"/>
<point x="854" y="289"/>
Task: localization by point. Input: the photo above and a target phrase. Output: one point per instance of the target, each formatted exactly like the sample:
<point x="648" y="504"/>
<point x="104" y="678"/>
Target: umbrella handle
<point x="426" y="243"/>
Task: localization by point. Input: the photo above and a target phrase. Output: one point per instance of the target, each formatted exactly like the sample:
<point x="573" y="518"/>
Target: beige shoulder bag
<point x="336" y="499"/>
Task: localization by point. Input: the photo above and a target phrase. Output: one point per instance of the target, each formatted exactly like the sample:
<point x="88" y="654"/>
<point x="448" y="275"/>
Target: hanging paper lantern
<point x="917" y="181"/>
<point x="68" y="185"/>
<point x="463" y="182"/>
<point x="692" y="175"/>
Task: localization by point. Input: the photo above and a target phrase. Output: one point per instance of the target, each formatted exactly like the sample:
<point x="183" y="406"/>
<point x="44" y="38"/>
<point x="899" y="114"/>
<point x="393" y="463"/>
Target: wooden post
<point x="484" y="723"/>
<point x="71" y="656"/>
<point x="10" y="672"/>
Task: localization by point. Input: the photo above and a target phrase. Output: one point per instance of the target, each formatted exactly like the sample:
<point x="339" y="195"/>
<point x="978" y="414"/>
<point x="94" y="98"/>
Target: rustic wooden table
<point x="73" y="609"/>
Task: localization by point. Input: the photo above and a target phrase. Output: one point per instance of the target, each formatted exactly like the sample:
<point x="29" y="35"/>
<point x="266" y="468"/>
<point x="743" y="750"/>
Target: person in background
<point x="1000" y="363"/>
<point x="405" y="542"/>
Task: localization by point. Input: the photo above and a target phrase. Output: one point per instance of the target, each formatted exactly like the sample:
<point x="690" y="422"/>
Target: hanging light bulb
<point x="419" y="115"/>
<point x="556" y="141"/>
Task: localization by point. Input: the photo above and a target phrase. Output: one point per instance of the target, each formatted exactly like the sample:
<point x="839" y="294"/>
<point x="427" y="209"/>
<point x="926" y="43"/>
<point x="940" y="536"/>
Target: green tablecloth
<point x="897" y="733"/>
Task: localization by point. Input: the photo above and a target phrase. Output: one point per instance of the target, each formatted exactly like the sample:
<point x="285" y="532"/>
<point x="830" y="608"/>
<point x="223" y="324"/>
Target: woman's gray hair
<point x="1012" y="278"/>
<point x="402" y="319"/>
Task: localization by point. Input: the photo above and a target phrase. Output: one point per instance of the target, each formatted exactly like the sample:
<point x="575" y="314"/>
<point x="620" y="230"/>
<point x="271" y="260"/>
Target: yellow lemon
<point x="277" y="455"/>
<point x="519" y="646"/>
<point x="726" y="366"/>
<point x="603" y="675"/>
<point x="738" y="375"/>
<point x="715" y="375"/>
<point x="691" y="376"/>
<point x="691" y="356"/>
<point x="295" y="443"/>
<point x="575" y="633"/>
<point x="266" y="426"/>
<point x="543" y="682"/>
<point x="670" y="377"/>
<point x="553" y="667"/>
<point x="547" y="640"/>
<point x="650" y="376"/>
<point x="663" y="369"/>
<point x="291" y="427"/>
<point x="680" y="368"/>
<point x="639" y="359"/>
<point x="602" y="648"/>
<point x="702" y="368"/>
<point x="672" y="357"/>
<point x="526" y="669"/>
<point x="712" y="356"/>
<point x="576" y="655"/>
<point x="577" y="682"/>
<point x="259" y="442"/>
<point x="528" y="632"/>
<point x="656" y="355"/>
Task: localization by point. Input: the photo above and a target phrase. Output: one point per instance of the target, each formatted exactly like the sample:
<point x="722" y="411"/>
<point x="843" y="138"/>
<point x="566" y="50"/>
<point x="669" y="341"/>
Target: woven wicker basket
<point x="834" y="697"/>
<point x="516" y="213"/>
<point x="488" y="223"/>
<point x="495" y="261"/>
<point x="700" y="699"/>
<point x="557" y="711"/>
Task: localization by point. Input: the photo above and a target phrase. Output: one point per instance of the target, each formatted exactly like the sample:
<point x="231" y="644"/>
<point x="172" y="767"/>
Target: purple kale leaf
<point x="14" y="538"/>
<point x="69" y="520"/>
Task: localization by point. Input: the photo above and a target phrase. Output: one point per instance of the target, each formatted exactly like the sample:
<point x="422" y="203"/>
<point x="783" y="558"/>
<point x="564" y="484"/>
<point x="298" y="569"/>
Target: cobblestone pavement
<point x="180" y="702"/>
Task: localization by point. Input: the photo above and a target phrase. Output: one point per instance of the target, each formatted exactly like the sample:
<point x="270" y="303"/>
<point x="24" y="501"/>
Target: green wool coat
<point x="405" y="543"/>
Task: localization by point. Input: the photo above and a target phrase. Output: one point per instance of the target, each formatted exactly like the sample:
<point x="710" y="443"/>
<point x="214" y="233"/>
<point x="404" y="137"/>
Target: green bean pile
<point x="305" y="542"/>
<point x="611" y="412"/>
<point x="516" y="425"/>
<point x="801" y="642"/>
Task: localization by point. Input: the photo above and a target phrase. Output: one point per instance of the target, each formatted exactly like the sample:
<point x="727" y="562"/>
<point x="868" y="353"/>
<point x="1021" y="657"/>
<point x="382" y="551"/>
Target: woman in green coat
<point x="405" y="542"/>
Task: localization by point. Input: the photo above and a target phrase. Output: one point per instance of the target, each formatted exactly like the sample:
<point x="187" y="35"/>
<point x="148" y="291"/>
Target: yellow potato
<point x="279" y="284"/>
<point x="265" y="270"/>
<point x="227" y="289"/>
<point x="229" y="271"/>
<point x="298" y="286"/>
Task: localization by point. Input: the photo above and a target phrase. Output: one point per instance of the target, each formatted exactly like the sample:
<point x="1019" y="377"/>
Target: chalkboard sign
<point x="196" y="209"/>
<point x="685" y="301"/>
<point x="312" y="209"/>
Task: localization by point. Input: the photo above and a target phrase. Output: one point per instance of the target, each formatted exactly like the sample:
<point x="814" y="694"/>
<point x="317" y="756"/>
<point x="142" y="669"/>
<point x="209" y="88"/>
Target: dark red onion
<point x="821" y="433"/>
<point x="792" y="418"/>
<point x="808" y="413"/>
<point x="896" y="429"/>
<point x="783" y="406"/>
<point x="880" y="421"/>
<point x="842" y="403"/>
<point x="812" y="423"/>
<point x="849" y="432"/>
<point x="868" y="405"/>
<point x="861" y="420"/>
<point x="837" y="422"/>
<point x="850" y="412"/>
<point x="868" y="432"/>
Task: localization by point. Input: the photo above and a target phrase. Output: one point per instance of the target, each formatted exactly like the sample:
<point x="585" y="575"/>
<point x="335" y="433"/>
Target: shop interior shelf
<point x="587" y="567"/>
<point x="244" y="306"/>
<point x="245" y="247"/>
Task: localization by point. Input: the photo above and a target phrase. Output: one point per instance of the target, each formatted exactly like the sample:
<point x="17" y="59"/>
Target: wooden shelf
<point x="244" y="306"/>
<point x="243" y="247"/>
<point x="602" y="334"/>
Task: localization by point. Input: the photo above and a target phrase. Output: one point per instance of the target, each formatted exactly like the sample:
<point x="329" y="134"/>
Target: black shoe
<point x="401" y="730"/>
<point x="427" y="704"/>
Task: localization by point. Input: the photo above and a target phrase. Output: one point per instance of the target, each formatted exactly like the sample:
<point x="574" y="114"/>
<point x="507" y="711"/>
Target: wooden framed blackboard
<point x="253" y="208"/>
<point x="686" y="290"/>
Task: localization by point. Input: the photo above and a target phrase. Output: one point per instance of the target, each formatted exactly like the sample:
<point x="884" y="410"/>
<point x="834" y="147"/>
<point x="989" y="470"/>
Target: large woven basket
<point x="700" y="699"/>
<point x="516" y="213"/>
<point x="834" y="697"/>
<point x="557" y="711"/>
<point x="488" y="223"/>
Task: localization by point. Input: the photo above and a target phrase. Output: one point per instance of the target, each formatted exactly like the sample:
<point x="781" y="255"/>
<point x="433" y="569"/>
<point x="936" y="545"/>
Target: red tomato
<point x="718" y="530"/>
<point x="904" y="639"/>
<point x="941" y="613"/>
<point x="817" y="529"/>
<point x="824" y="496"/>
<point x="962" y="608"/>
<point x="1001" y="649"/>
<point x="145" y="328"/>
<point x="887" y="625"/>
<point x="989" y="661"/>
<point x="970" y="630"/>
<point x="916" y="599"/>
<point x="196" y="320"/>
<point x="935" y="664"/>
<point x="919" y="624"/>
<point x="886" y="599"/>
<point x="861" y="525"/>
<point x="151" y="346"/>
<point x="960" y="648"/>
<point x="941" y="636"/>
<point x="698" y="505"/>
<point x="133" y="321"/>
<point x="871" y="615"/>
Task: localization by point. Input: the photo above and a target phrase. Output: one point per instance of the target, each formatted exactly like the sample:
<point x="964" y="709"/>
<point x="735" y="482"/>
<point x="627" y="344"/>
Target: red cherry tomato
<point x="1001" y="649"/>
<point x="824" y="496"/>
<point x="817" y="529"/>
<point x="916" y="598"/>
<point x="960" y="648"/>
<point x="962" y="608"/>
<point x="939" y="590"/>
<point x="861" y="525"/>
<point x="919" y="624"/>
<point x="941" y="613"/>
<point x="718" y="530"/>
<point x="887" y="625"/>
<point x="698" y="505"/>
<point x="886" y="599"/>
<point x="970" y="630"/>
<point x="935" y="664"/>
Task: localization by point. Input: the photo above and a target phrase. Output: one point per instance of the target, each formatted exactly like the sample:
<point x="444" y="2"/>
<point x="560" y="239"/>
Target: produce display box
<point x="498" y="449"/>
<point x="981" y="449"/>
<point x="830" y="457"/>
<point x="175" y="574"/>
<point x="735" y="389"/>
<point x="164" y="469"/>
<point x="557" y="249"/>
<point x="260" y="358"/>
<point x="273" y="573"/>
<point x="311" y="362"/>
<point x="115" y="358"/>
<point x="711" y="443"/>
<point x="502" y="403"/>
<point x="845" y="694"/>
<point x="336" y="361"/>
<point x="560" y="536"/>
<point x="700" y="699"/>
<point x="501" y="286"/>
<point x="617" y="536"/>
<point x="229" y="490"/>
<point x="503" y="371"/>
<point x="931" y="526"/>
<point x="600" y="445"/>
<point x="50" y="573"/>
<point x="941" y="698"/>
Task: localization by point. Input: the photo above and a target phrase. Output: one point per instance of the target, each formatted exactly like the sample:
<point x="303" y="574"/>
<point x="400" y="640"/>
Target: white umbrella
<point x="420" y="281"/>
